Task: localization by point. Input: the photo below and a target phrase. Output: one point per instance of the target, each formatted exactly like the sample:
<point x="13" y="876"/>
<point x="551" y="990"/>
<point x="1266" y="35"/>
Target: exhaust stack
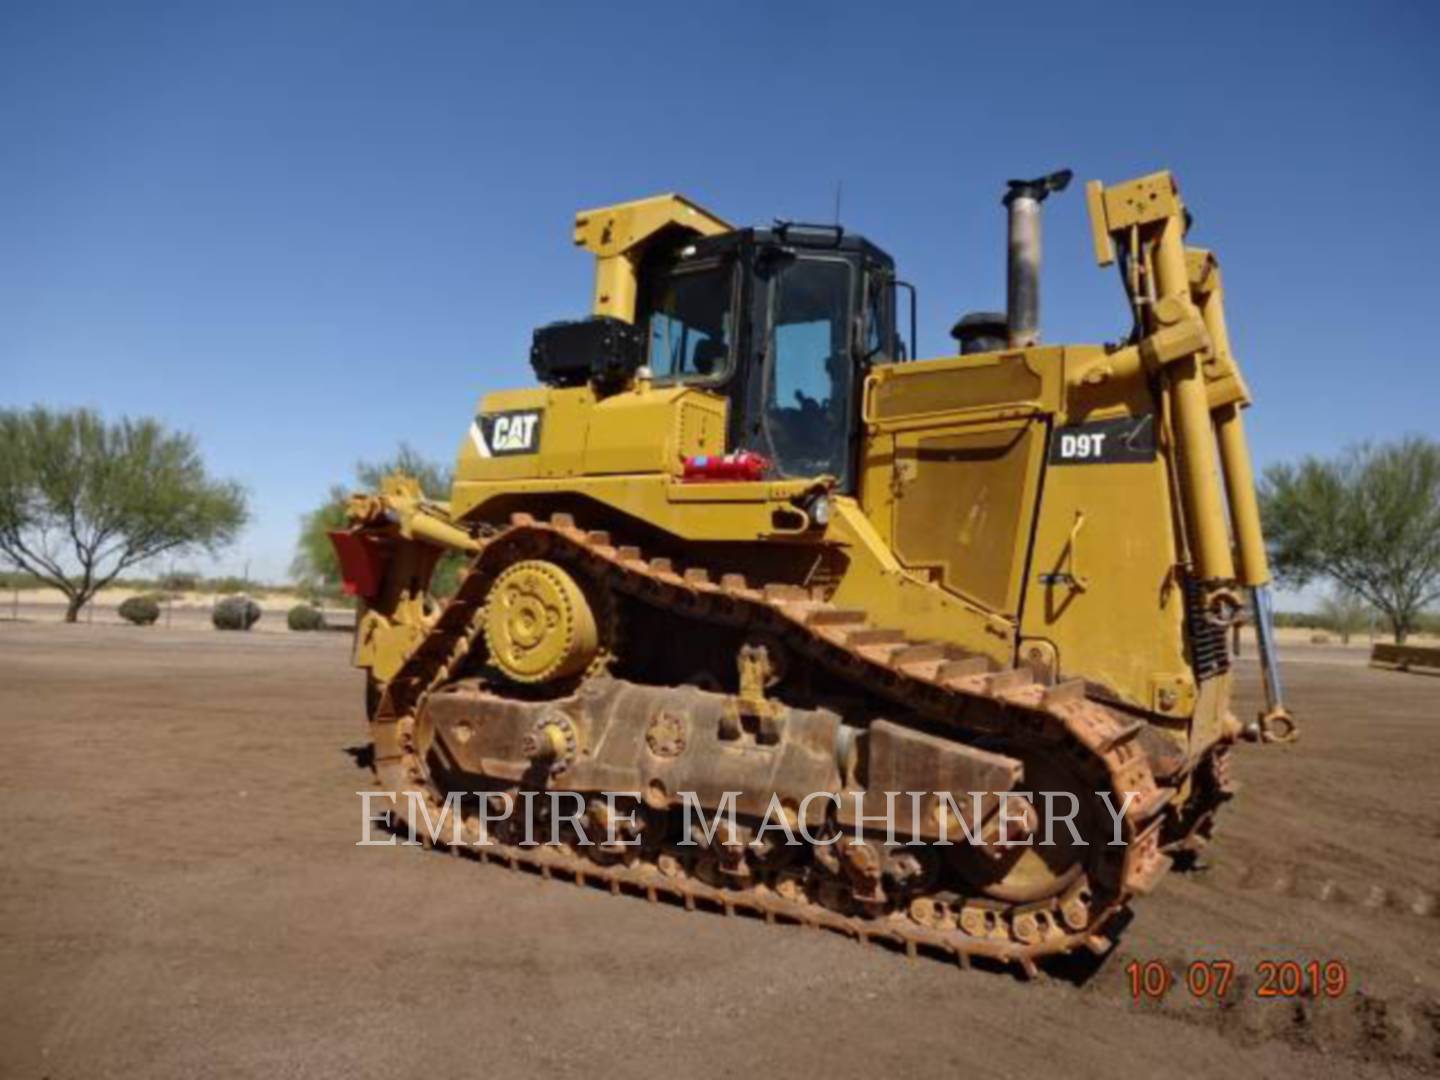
<point x="1022" y="285"/>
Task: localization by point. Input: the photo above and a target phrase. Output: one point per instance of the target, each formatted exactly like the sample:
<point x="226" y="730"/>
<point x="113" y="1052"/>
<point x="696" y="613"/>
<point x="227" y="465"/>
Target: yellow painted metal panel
<point x="964" y="502"/>
<point x="1125" y="556"/>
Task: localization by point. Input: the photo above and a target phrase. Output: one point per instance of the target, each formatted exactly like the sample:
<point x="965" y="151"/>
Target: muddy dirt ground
<point x="180" y="896"/>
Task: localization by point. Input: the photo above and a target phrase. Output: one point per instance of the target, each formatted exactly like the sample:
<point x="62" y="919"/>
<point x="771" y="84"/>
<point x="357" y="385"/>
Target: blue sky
<point x="307" y="231"/>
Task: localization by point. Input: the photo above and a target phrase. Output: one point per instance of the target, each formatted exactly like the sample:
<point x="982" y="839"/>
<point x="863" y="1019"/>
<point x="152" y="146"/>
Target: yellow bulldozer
<point x="943" y="642"/>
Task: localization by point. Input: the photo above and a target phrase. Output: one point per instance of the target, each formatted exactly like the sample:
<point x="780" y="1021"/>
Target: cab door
<point x="800" y="404"/>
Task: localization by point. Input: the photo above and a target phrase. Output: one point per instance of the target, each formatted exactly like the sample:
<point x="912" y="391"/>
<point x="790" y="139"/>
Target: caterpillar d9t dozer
<point x="741" y="554"/>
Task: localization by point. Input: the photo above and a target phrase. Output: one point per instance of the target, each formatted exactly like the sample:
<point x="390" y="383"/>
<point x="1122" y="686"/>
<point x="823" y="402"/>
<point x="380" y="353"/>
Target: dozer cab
<point x="945" y="639"/>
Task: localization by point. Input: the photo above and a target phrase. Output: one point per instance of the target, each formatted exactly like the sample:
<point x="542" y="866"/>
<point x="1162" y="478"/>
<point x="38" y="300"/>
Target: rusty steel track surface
<point x="934" y="681"/>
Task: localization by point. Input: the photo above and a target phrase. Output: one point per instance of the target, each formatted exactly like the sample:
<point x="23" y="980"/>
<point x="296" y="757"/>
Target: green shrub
<point x="235" y="613"/>
<point x="305" y="617"/>
<point x="140" y="610"/>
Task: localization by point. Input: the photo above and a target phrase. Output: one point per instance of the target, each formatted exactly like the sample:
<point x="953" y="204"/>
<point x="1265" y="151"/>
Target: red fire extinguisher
<point x="741" y="465"/>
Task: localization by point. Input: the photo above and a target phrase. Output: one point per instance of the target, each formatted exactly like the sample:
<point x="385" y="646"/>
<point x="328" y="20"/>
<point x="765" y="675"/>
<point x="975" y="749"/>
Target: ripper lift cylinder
<point x="1199" y="479"/>
<point x="1235" y="464"/>
<point x="1254" y="566"/>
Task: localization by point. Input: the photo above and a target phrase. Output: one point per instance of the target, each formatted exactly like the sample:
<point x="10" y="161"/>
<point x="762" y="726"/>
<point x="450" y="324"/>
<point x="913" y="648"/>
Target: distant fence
<point x="1421" y="658"/>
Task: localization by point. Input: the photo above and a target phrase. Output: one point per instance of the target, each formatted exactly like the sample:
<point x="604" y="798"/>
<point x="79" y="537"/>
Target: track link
<point x="936" y="680"/>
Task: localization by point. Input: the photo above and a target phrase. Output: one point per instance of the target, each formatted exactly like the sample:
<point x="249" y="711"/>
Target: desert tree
<point x="83" y="500"/>
<point x="1346" y="613"/>
<point x="1368" y="521"/>
<point x="315" y="565"/>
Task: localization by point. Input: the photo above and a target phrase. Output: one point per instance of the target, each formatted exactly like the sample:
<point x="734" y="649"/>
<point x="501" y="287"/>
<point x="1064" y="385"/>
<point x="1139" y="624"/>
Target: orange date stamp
<point x="1152" y="980"/>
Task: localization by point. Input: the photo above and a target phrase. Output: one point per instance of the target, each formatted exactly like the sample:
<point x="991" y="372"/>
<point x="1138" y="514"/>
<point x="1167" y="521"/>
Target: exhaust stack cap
<point x="1022" y="292"/>
<point x="981" y="331"/>
<point x="1038" y="189"/>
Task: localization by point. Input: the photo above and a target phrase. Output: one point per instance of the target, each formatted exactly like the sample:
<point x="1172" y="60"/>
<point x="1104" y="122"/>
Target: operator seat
<point x="710" y="356"/>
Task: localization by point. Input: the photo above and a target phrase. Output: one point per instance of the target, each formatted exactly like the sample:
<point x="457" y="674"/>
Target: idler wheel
<point x="538" y="624"/>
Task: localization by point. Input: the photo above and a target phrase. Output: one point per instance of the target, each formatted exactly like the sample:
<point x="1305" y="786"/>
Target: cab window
<point x="808" y="393"/>
<point x="879" y="321"/>
<point x="691" y="324"/>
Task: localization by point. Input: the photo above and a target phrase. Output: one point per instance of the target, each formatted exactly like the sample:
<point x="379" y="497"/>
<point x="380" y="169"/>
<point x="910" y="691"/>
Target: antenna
<point x="839" y="187"/>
